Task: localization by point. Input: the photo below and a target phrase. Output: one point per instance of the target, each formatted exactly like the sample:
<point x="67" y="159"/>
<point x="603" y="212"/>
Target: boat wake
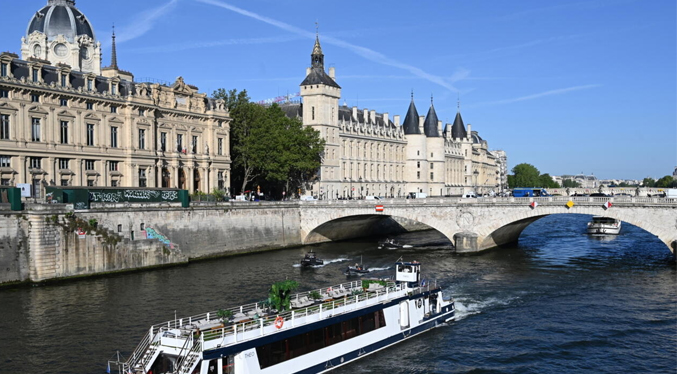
<point x="467" y="307"/>
<point x="326" y="262"/>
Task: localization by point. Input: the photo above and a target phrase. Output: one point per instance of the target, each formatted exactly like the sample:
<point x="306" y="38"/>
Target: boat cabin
<point x="408" y="272"/>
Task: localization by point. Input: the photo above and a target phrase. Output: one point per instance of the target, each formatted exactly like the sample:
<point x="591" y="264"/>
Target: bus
<point x="529" y="192"/>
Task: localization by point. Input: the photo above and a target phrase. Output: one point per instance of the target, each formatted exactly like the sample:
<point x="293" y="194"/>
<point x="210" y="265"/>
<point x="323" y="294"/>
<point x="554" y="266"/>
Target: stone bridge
<point x="474" y="225"/>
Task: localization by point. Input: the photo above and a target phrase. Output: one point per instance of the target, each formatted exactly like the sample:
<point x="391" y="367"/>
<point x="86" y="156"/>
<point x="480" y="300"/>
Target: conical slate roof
<point x="458" y="129"/>
<point x="410" y="125"/>
<point x="430" y="124"/>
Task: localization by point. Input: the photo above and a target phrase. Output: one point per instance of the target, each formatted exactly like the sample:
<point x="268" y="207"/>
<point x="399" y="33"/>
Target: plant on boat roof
<point x="280" y="294"/>
<point x="315" y="295"/>
<point x="225" y="315"/>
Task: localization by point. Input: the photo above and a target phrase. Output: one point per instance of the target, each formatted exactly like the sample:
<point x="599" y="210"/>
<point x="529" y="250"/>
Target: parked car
<point x="372" y="198"/>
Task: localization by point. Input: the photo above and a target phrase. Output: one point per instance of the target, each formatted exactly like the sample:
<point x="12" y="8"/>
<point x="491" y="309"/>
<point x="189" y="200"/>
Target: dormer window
<point x="114" y="89"/>
<point x="64" y="79"/>
<point x="3" y="70"/>
<point x="89" y="84"/>
<point x="36" y="75"/>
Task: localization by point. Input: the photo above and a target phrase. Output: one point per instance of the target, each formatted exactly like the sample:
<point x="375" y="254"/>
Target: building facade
<point x="66" y="121"/>
<point x="370" y="153"/>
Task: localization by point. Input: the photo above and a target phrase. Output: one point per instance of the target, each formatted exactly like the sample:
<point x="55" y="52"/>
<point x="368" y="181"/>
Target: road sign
<point x="378" y="208"/>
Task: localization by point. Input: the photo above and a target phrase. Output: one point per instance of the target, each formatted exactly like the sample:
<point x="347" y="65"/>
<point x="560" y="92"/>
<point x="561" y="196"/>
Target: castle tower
<point x="435" y="155"/>
<point x="61" y="34"/>
<point x="320" y="94"/>
<point x="416" y="162"/>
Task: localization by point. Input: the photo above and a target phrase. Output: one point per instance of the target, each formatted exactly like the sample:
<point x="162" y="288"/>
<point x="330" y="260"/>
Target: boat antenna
<point x="399" y="259"/>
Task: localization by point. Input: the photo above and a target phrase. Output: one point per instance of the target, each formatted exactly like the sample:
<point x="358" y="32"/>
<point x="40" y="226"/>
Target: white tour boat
<point x="347" y="322"/>
<point x="601" y="225"/>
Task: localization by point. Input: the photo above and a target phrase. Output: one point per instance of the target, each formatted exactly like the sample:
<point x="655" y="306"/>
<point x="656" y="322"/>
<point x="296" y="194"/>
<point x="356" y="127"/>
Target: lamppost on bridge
<point x="476" y="174"/>
<point x="361" y="188"/>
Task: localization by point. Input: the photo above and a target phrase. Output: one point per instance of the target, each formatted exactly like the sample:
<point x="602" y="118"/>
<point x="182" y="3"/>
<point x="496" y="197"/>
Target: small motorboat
<point x="390" y="244"/>
<point x="601" y="225"/>
<point x="359" y="268"/>
<point x="311" y="259"/>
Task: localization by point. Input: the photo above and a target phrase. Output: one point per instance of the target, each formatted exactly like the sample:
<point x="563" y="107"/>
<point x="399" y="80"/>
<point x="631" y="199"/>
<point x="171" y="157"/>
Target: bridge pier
<point x="466" y="242"/>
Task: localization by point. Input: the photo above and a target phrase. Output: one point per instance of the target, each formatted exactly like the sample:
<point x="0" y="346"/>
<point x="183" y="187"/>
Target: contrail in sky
<point x="539" y="95"/>
<point x="367" y="53"/>
<point x="144" y="22"/>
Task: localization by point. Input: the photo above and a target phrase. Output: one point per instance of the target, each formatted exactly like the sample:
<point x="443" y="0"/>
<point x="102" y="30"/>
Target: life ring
<point x="279" y="322"/>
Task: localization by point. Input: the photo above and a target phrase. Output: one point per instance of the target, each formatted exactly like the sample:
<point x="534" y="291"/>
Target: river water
<point x="559" y="302"/>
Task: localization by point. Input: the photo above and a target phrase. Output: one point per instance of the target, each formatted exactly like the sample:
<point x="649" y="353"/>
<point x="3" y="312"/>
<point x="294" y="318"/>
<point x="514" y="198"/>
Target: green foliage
<point x="570" y="183"/>
<point x="269" y="148"/>
<point x="525" y="175"/>
<point x="547" y="182"/>
<point x="93" y="222"/>
<point x="224" y="315"/>
<point x="666" y="182"/>
<point x="280" y="293"/>
<point x="315" y="295"/>
<point x="649" y="182"/>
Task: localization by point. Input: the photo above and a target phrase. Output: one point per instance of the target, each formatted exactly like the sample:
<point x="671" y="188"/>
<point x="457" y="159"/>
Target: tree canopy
<point x="269" y="149"/>
<point x="526" y="175"/>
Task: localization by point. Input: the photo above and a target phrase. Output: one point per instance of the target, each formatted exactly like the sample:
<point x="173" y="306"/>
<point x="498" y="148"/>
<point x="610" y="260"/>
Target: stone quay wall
<point x="48" y="242"/>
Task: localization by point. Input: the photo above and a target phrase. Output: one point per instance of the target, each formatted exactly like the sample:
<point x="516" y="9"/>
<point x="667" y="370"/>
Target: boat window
<point x="296" y="346"/>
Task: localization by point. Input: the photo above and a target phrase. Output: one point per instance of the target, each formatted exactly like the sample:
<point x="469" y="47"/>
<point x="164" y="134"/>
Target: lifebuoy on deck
<point x="279" y="322"/>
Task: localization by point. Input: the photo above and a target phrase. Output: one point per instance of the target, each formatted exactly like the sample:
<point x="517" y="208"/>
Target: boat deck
<point x="252" y="321"/>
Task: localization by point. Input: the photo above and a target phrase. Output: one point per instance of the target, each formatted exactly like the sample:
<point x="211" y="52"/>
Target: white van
<point x="308" y="198"/>
<point x="372" y="198"/>
<point x="469" y="195"/>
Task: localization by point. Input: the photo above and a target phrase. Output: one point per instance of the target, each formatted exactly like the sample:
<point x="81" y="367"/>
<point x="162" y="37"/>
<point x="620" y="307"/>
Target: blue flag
<point x="108" y="370"/>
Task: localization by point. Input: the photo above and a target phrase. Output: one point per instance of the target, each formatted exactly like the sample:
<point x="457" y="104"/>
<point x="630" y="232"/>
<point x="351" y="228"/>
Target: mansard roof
<point x="410" y="124"/>
<point x="430" y="124"/>
<point x="458" y="129"/>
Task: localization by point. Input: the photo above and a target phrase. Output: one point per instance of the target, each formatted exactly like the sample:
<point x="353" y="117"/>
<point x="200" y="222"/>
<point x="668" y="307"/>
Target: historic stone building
<point x="368" y="153"/>
<point x="66" y="121"/>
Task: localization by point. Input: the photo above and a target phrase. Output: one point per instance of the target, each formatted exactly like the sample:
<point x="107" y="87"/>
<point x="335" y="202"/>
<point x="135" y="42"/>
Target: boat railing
<point x="326" y="308"/>
<point x="247" y="311"/>
<point x="141" y="350"/>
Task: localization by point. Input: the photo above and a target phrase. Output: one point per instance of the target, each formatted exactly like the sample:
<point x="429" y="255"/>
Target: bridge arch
<point x="479" y="225"/>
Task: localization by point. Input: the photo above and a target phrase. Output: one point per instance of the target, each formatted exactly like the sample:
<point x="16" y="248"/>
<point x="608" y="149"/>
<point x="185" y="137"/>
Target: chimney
<point x="332" y="73"/>
<point x="386" y="119"/>
<point x="421" y="121"/>
<point x="469" y="131"/>
<point x="372" y="115"/>
<point x="439" y="127"/>
<point x="355" y="113"/>
<point x="397" y="120"/>
<point x="365" y="112"/>
<point x="307" y="72"/>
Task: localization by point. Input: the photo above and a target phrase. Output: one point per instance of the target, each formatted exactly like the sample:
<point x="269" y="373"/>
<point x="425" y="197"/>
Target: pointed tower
<point x="113" y="71"/>
<point x="415" y="174"/>
<point x="430" y="126"/>
<point x="410" y="124"/>
<point x="320" y="94"/>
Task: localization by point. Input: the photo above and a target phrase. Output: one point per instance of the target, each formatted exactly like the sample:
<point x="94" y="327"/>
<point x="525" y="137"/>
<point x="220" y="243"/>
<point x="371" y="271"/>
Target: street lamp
<point x="361" y="188"/>
<point x="476" y="174"/>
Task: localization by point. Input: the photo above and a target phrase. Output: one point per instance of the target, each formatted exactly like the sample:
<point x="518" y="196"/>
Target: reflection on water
<point x="560" y="301"/>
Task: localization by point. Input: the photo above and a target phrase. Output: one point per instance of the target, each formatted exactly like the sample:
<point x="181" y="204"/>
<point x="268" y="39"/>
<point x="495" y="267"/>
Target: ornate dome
<point x="60" y="17"/>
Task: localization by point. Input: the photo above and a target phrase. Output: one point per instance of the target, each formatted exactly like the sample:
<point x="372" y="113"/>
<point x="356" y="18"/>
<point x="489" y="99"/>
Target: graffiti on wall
<point x="152" y="234"/>
<point x="133" y="196"/>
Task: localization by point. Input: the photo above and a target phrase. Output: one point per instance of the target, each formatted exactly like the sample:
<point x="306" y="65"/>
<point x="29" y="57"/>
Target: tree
<point x="665" y="182"/>
<point x="648" y="182"/>
<point x="570" y="183"/>
<point x="547" y="182"/>
<point x="280" y="294"/>
<point x="525" y="175"/>
<point x="269" y="148"/>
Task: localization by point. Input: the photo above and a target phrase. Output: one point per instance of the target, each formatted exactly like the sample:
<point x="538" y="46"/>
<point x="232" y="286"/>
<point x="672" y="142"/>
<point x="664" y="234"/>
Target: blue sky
<point x="567" y="86"/>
